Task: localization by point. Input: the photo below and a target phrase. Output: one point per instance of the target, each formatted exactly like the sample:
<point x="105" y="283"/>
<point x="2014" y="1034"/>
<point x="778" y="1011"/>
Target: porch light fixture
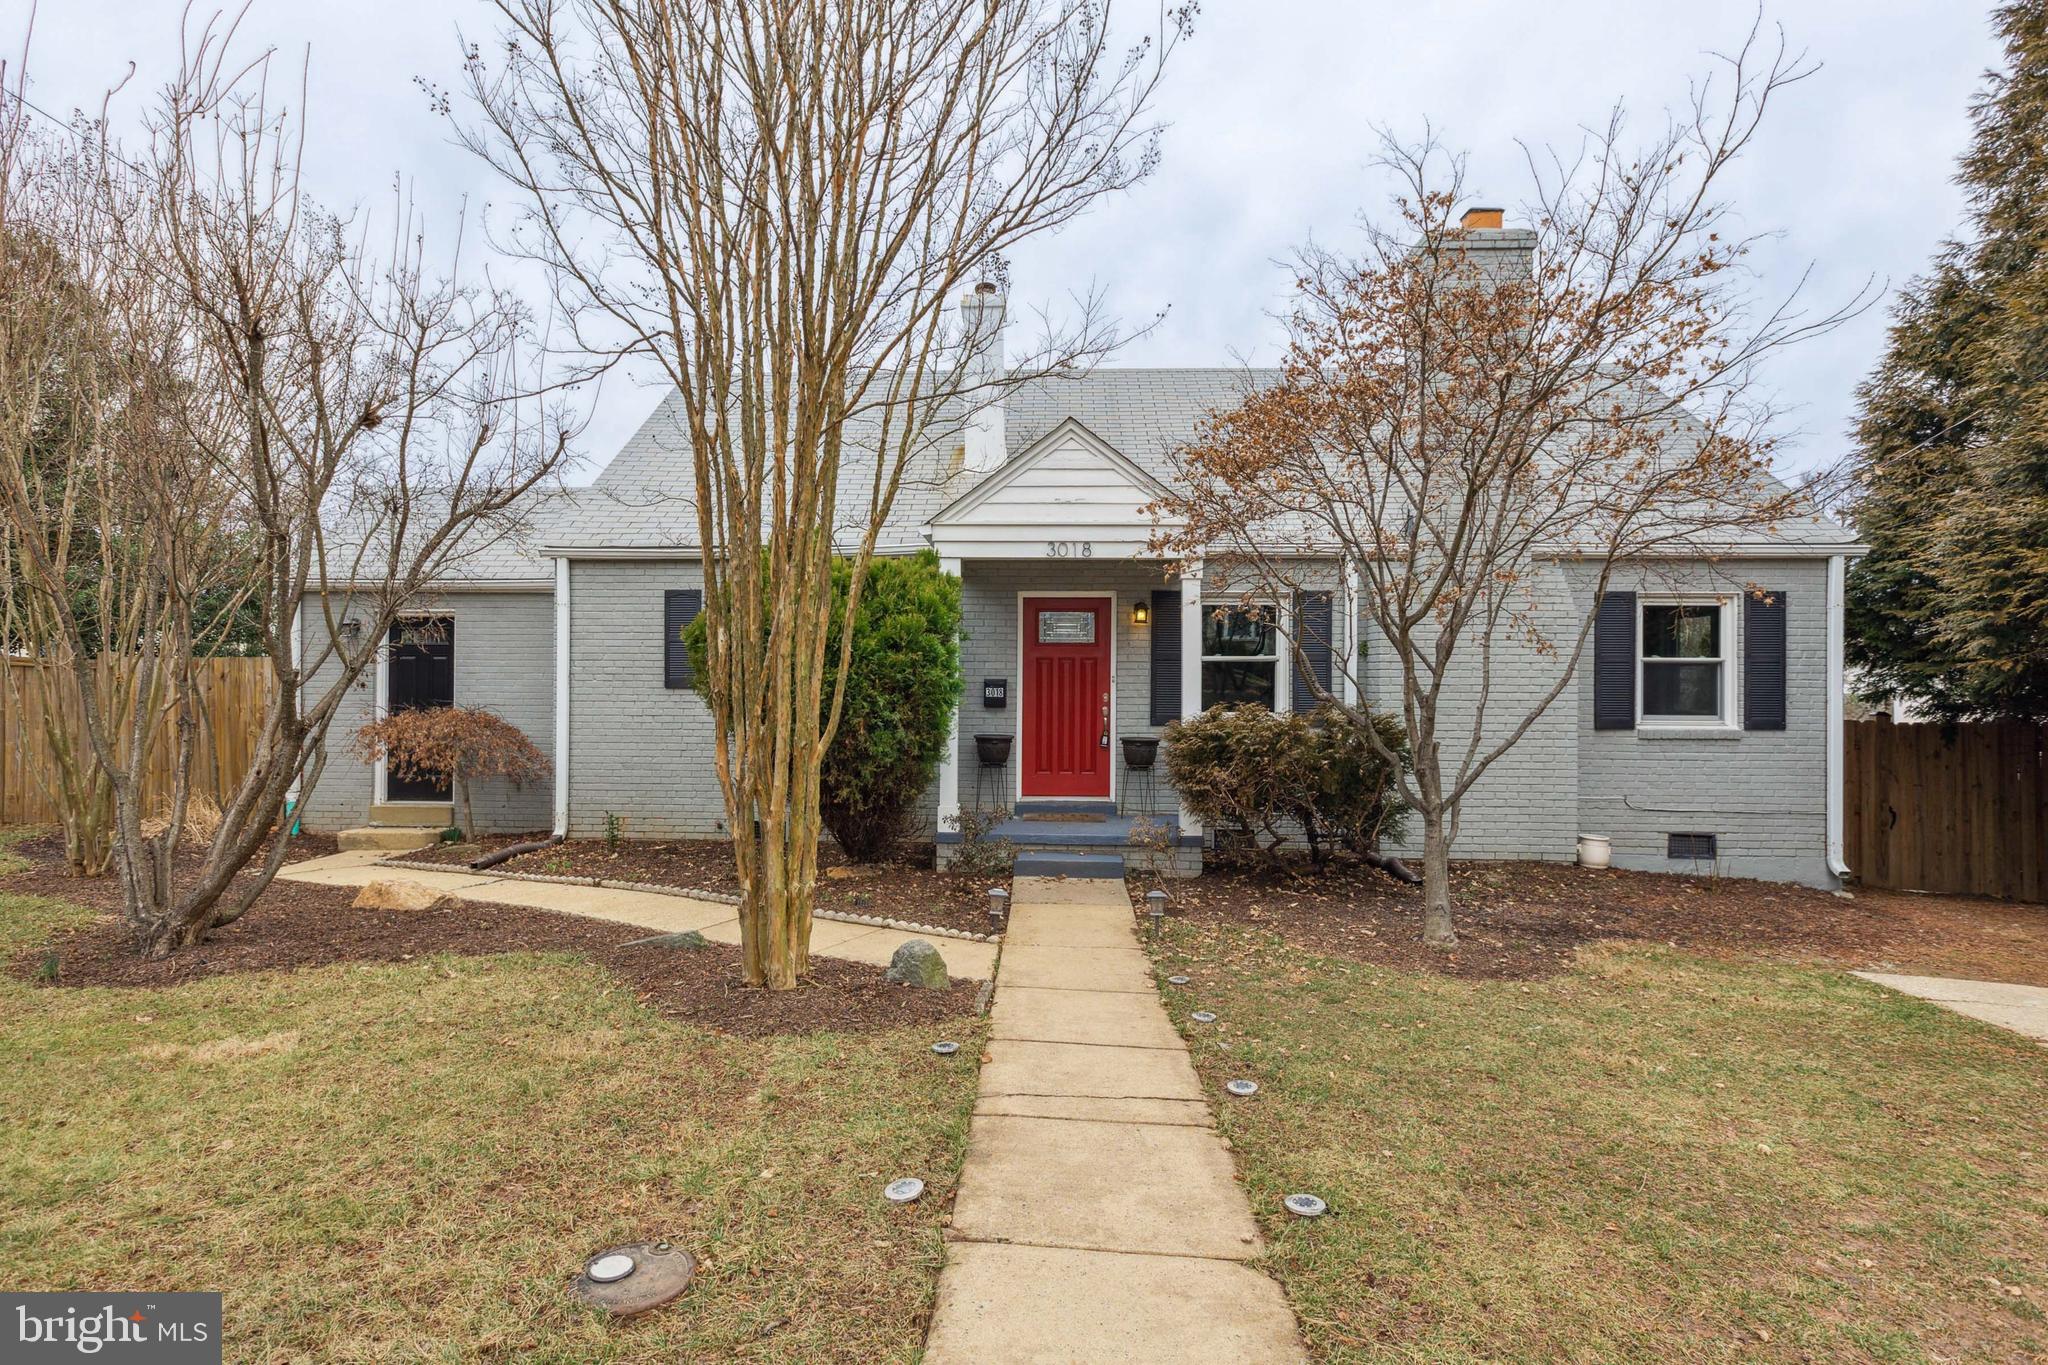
<point x="998" y="909"/>
<point x="1155" y="913"/>
<point x="1141" y="612"/>
<point x="351" y="630"/>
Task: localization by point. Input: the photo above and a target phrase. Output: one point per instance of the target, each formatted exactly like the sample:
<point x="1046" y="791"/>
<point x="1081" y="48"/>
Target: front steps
<point x="413" y="813"/>
<point x="1087" y="839"/>
<point x="1049" y="863"/>
<point x="388" y="838"/>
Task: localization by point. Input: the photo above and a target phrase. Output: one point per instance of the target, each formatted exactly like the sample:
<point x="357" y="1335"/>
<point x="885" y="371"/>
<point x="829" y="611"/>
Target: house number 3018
<point x="1070" y="549"/>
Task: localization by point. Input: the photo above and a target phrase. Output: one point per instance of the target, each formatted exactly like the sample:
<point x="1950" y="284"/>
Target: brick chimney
<point x="981" y="338"/>
<point x="1503" y="253"/>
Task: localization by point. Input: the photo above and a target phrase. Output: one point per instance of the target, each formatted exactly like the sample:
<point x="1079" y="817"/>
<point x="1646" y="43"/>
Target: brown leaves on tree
<point x="460" y="745"/>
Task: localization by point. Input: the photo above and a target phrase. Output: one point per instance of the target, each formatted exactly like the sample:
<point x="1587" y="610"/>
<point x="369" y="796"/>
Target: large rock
<point x="396" y="894"/>
<point x="917" y="963"/>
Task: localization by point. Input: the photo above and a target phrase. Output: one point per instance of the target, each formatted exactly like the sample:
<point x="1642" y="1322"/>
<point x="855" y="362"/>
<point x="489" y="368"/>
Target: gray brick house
<point x="1075" y="638"/>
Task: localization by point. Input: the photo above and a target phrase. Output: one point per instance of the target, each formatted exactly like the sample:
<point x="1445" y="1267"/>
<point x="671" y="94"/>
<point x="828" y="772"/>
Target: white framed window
<point x="1684" y="649"/>
<point x="1241" y="655"/>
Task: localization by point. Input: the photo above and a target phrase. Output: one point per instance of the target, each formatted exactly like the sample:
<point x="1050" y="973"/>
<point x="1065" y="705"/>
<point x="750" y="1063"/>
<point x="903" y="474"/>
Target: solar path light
<point x="1155" y="913"/>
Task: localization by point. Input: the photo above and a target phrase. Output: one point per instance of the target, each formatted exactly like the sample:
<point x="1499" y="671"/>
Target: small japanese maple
<point x="459" y="745"/>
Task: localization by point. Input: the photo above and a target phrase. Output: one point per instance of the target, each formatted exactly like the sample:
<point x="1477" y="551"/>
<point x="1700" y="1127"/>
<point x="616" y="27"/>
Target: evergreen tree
<point x="1951" y="606"/>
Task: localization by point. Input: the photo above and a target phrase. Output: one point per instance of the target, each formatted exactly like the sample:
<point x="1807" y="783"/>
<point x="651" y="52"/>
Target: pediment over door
<point x="1069" y="495"/>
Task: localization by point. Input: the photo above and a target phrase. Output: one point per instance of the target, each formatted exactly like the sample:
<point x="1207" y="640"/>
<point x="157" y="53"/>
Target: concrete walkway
<point x="2023" y="1009"/>
<point x="1098" y="1217"/>
<point x="654" y="911"/>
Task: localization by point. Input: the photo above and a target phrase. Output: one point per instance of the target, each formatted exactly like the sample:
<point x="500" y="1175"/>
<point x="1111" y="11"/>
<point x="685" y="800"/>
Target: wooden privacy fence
<point x="1952" y="808"/>
<point x="232" y="693"/>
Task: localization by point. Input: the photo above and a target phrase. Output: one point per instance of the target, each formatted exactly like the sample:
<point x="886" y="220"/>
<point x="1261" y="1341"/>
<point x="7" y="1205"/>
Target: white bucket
<point x="1595" y="850"/>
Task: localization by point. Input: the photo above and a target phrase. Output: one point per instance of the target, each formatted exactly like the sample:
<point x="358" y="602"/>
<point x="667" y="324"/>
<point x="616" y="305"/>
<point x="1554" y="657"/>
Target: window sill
<point x="1655" y="731"/>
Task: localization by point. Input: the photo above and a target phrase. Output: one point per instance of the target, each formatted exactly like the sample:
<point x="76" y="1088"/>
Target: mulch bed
<point x="1521" y="920"/>
<point x="910" y="888"/>
<point x="298" y="925"/>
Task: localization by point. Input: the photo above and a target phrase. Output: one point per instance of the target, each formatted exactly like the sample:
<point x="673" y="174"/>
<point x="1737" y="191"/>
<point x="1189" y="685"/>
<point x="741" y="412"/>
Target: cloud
<point x="1272" y="108"/>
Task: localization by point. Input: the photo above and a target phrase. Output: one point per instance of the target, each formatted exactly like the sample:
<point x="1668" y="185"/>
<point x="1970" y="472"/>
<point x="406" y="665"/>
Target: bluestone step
<point x="1044" y="864"/>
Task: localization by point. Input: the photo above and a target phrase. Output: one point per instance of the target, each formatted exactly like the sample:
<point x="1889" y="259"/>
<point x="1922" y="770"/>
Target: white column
<point x="1190" y="665"/>
<point x="562" y="696"/>
<point x="1837" y="576"/>
<point x="949" y="766"/>
<point x="1347" y="681"/>
<point x="293" y="797"/>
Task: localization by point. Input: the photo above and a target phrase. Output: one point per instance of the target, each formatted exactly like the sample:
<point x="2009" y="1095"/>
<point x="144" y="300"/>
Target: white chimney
<point x="981" y="318"/>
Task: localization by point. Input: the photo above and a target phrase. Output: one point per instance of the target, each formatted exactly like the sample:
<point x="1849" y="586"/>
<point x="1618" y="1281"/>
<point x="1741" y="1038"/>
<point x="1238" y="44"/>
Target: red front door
<point x="1066" y="697"/>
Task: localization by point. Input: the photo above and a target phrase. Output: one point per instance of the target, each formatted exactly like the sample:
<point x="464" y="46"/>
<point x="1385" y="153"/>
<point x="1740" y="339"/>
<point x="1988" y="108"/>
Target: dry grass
<point x="406" y="1160"/>
<point x="1654" y="1156"/>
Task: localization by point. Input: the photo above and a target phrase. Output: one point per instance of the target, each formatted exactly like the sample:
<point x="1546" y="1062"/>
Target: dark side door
<point x="422" y="673"/>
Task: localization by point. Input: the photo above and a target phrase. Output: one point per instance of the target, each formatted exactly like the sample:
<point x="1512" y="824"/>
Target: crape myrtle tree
<point x="328" y="422"/>
<point x="1446" y="427"/>
<point x="777" y="202"/>
<point x="896" y="705"/>
<point x="1950" y="607"/>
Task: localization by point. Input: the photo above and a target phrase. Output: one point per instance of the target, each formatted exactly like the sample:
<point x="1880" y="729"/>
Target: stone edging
<point x="656" y="888"/>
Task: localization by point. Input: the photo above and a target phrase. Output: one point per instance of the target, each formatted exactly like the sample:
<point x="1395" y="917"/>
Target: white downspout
<point x="1837" y="576"/>
<point x="949" y="766"/>
<point x="561" y="829"/>
<point x="1347" y="685"/>
<point x="1190" y="668"/>
<point x="292" y="793"/>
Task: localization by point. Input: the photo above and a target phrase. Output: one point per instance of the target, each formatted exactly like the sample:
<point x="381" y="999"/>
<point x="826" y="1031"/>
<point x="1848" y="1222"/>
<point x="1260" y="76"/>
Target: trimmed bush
<point x="902" y="689"/>
<point x="1243" y="768"/>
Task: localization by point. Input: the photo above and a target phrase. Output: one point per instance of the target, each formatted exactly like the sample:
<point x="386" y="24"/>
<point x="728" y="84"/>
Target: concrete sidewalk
<point x="651" y="910"/>
<point x="2023" y="1009"/>
<point x="1098" y="1217"/>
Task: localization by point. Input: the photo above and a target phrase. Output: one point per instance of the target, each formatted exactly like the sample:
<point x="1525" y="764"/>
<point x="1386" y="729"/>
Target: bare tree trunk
<point x="1436" y="882"/>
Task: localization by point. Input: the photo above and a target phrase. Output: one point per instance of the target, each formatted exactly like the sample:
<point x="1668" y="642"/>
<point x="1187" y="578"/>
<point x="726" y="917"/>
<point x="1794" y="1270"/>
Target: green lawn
<point x="1653" y="1157"/>
<point x="408" y="1161"/>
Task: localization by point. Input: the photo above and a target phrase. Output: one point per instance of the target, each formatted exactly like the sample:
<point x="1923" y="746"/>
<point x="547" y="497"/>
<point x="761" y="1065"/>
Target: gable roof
<point x="1070" y="436"/>
<point x="644" y="500"/>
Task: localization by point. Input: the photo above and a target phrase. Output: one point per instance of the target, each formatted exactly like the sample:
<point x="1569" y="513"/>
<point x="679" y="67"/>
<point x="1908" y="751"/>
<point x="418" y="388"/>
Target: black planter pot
<point x="993" y="750"/>
<point x="1140" y="751"/>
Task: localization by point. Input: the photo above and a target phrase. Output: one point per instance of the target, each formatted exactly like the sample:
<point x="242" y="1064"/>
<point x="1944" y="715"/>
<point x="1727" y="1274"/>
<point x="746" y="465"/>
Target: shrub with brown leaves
<point x="455" y="744"/>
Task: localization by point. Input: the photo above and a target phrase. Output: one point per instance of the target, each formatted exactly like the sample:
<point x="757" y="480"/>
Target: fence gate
<point x="1961" y="809"/>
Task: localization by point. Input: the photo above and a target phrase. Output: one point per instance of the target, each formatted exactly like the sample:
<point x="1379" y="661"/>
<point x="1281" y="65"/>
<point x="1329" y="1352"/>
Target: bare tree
<point x="1460" y="411"/>
<point x="777" y="201"/>
<point x="338" y="427"/>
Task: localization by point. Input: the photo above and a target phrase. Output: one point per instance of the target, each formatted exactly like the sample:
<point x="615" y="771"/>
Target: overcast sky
<point x="1271" y="107"/>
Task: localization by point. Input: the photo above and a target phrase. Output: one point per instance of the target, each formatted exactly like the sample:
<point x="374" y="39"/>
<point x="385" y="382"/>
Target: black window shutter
<point x="679" y="607"/>
<point x="1614" y="662"/>
<point x="1312" y="628"/>
<point x="1763" y="661"/>
<point x="1165" y="655"/>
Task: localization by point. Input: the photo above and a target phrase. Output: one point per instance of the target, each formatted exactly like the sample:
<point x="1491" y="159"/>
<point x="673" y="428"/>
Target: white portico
<point x="1062" y="607"/>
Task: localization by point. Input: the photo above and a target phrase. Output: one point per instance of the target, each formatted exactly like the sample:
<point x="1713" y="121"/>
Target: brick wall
<point x="1763" y="793"/>
<point x="637" y="749"/>
<point x="1523" y="806"/>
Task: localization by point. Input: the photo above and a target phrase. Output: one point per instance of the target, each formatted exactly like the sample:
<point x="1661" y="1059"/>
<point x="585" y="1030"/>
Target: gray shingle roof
<point x="644" y="499"/>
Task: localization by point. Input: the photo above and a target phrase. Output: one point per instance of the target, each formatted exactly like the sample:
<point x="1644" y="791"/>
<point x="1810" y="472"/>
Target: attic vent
<point x="1689" y="847"/>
